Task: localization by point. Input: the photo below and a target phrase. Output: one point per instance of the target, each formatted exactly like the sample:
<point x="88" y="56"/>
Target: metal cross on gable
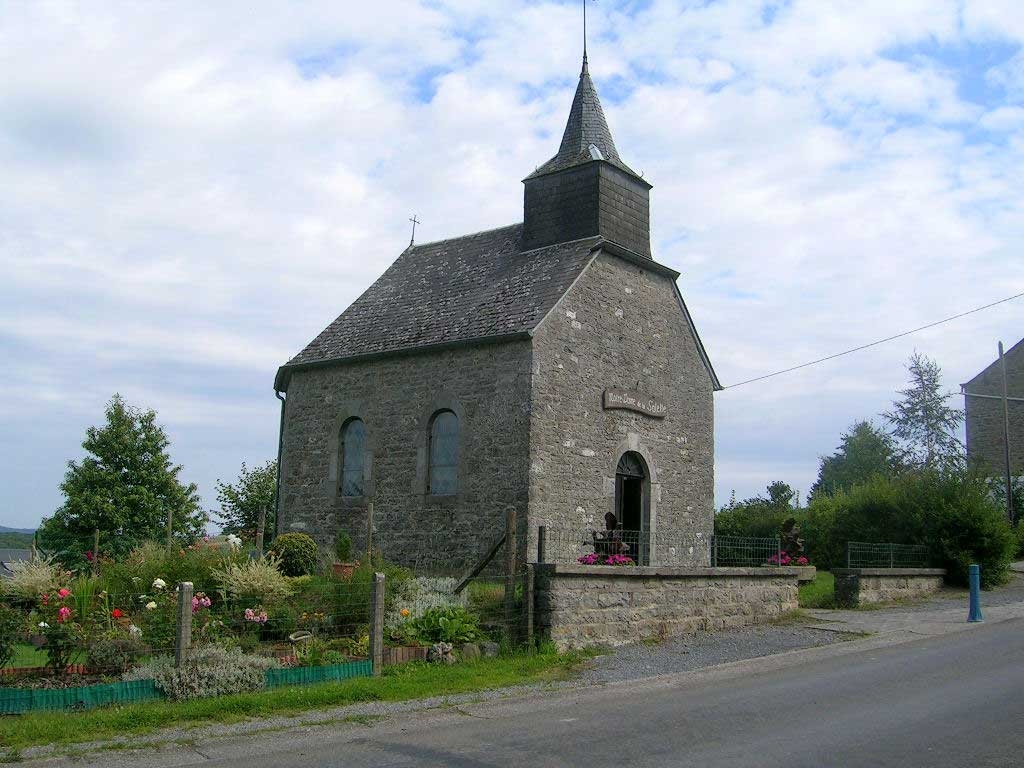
<point x="414" y="221"/>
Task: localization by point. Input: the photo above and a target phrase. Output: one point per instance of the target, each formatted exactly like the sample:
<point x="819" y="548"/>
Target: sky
<point x="191" y="191"/>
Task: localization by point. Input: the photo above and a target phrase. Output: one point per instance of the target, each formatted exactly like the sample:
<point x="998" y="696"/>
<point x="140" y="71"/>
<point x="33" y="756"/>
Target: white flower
<point x="134" y="631"/>
<point x="150" y="605"/>
<point x="233" y="541"/>
<point x="43" y="625"/>
<point x="159" y="583"/>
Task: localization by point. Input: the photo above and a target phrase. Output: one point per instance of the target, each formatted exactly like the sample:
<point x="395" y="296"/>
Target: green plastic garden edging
<point x="16" y="701"/>
<point x="305" y="675"/>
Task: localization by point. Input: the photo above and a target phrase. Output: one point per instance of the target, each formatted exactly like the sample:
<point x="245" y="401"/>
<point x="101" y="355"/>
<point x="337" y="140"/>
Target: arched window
<point x="353" y="450"/>
<point x="444" y="454"/>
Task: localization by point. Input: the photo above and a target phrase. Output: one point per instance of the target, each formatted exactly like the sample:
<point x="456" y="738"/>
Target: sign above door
<point x="627" y="400"/>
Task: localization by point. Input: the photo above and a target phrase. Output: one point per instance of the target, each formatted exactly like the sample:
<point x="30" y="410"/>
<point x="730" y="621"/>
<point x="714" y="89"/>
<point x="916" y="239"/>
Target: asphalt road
<point x="954" y="700"/>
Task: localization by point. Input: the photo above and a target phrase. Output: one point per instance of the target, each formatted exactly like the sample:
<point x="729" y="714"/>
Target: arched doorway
<point x="632" y="484"/>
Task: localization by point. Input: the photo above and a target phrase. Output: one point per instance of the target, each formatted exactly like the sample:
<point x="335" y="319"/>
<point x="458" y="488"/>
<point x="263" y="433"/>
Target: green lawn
<point x="399" y="683"/>
<point x="27" y="656"/>
<point x="819" y="593"/>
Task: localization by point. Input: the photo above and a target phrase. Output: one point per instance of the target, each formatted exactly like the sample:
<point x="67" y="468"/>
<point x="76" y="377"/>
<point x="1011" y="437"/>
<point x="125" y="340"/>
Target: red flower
<point x="116" y="613"/>
<point x="90" y="556"/>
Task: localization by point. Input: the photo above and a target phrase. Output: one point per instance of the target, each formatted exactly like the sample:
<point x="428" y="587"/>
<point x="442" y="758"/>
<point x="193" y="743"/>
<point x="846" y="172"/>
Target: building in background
<point x="985" y="415"/>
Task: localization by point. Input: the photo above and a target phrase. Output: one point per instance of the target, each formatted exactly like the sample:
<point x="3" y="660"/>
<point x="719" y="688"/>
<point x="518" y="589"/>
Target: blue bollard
<point x="974" y="612"/>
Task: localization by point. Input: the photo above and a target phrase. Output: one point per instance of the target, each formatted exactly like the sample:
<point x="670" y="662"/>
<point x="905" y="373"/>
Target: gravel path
<point x="703" y="650"/>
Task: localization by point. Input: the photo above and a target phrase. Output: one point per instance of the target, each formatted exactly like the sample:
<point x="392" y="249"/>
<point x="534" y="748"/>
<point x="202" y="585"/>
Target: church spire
<point x="587" y="136"/>
<point x="586" y="190"/>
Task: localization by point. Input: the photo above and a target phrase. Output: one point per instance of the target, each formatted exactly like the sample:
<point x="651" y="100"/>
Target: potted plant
<point x="343" y="566"/>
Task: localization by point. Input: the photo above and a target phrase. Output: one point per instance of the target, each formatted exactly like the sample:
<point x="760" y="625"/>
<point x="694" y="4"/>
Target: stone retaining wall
<point x="865" y="586"/>
<point x="581" y="606"/>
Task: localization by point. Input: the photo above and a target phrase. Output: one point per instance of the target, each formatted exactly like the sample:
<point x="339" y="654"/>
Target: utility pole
<point x="1006" y="438"/>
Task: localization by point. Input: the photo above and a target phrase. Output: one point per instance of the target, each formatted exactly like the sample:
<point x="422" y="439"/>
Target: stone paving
<point x="946" y="612"/>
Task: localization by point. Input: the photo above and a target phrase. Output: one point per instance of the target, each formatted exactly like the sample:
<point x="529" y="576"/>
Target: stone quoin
<point x="550" y="366"/>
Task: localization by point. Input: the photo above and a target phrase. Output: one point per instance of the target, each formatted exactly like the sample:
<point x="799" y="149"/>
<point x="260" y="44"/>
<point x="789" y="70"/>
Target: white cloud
<point x="191" y="192"/>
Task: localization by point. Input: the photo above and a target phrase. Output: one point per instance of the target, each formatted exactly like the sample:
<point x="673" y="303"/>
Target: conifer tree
<point x="923" y="422"/>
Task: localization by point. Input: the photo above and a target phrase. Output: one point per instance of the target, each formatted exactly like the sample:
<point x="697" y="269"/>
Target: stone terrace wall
<point x="865" y="586"/>
<point x="581" y="606"/>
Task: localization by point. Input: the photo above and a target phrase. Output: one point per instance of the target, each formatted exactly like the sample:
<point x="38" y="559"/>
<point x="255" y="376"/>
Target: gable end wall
<point x="620" y="324"/>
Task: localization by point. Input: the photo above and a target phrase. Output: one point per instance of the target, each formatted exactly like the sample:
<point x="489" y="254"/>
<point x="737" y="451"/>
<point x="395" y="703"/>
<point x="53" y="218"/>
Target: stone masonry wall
<point x="488" y="388"/>
<point x="866" y="586"/>
<point x="985" y="417"/>
<point x="581" y="606"/>
<point x="620" y="326"/>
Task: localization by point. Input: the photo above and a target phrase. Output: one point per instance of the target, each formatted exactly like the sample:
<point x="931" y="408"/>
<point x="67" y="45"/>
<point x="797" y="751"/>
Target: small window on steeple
<point x="595" y="152"/>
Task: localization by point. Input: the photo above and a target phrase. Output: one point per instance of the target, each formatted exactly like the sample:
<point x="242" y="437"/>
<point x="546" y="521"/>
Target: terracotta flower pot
<point x="344" y="570"/>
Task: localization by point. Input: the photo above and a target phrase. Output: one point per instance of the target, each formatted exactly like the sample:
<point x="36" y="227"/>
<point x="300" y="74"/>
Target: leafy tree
<point x="922" y="421"/>
<point x="241" y="501"/>
<point x="757" y="516"/>
<point x="125" y="487"/>
<point x="864" y="452"/>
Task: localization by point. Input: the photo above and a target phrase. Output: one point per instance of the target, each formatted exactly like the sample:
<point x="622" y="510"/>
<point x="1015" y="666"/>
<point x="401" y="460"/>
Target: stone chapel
<point x="550" y="365"/>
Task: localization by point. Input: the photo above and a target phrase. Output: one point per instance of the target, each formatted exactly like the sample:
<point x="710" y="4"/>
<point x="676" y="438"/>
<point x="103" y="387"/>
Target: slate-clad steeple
<point x="586" y="189"/>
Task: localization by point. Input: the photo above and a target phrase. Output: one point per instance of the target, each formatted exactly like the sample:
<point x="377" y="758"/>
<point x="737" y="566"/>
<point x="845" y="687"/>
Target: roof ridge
<point x="462" y="237"/>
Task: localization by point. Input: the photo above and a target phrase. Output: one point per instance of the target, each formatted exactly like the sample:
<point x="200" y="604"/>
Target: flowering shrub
<point x="62" y="633"/>
<point x="784" y="559"/>
<point x="598" y="559"/>
<point x="200" y="601"/>
<point x="256" y="615"/>
<point x="209" y="671"/>
<point x="254" y="578"/>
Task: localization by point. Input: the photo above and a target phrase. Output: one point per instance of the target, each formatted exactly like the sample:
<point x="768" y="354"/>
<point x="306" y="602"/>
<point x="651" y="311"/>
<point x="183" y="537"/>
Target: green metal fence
<point x="860" y="554"/>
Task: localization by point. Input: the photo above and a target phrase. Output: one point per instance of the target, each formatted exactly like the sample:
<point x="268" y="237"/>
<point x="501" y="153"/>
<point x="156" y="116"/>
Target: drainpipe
<point x="280" y="448"/>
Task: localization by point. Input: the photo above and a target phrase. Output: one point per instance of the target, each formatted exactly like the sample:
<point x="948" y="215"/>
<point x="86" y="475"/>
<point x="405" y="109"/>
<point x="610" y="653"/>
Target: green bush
<point x="210" y="671"/>
<point x="258" y="579"/>
<point x="297" y="553"/>
<point x="446" y="625"/>
<point x="343" y="547"/>
<point x="113" y="653"/>
<point x="950" y="512"/>
<point x="10" y="628"/>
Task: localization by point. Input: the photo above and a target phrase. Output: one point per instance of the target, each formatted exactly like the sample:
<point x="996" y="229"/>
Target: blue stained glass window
<point x="353" y="450"/>
<point x="444" y="454"/>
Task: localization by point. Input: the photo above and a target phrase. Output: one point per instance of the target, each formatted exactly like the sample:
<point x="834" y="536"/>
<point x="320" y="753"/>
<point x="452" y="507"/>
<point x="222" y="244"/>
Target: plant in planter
<point x="596" y="558"/>
<point x="343" y="566"/>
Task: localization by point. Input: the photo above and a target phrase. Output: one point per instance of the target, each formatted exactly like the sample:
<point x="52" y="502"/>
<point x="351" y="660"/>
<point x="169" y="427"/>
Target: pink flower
<point x="63" y="614"/>
<point x="64" y="593"/>
<point x="802" y="561"/>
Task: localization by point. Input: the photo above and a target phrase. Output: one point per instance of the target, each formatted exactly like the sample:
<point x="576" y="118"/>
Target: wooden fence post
<point x="510" y="573"/>
<point x="183" y="629"/>
<point x="377" y="624"/>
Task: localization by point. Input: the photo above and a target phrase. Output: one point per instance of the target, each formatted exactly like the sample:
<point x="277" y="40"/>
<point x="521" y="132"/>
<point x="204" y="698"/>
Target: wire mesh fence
<point x="861" y="554"/>
<point x="621" y="547"/>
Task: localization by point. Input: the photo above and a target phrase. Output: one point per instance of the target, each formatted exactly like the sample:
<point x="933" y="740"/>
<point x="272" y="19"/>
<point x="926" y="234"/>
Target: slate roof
<point x="585" y="128"/>
<point x="8" y="556"/>
<point x="466" y="288"/>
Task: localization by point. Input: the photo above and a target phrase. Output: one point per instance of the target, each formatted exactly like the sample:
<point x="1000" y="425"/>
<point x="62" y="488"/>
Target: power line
<point x="874" y="343"/>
